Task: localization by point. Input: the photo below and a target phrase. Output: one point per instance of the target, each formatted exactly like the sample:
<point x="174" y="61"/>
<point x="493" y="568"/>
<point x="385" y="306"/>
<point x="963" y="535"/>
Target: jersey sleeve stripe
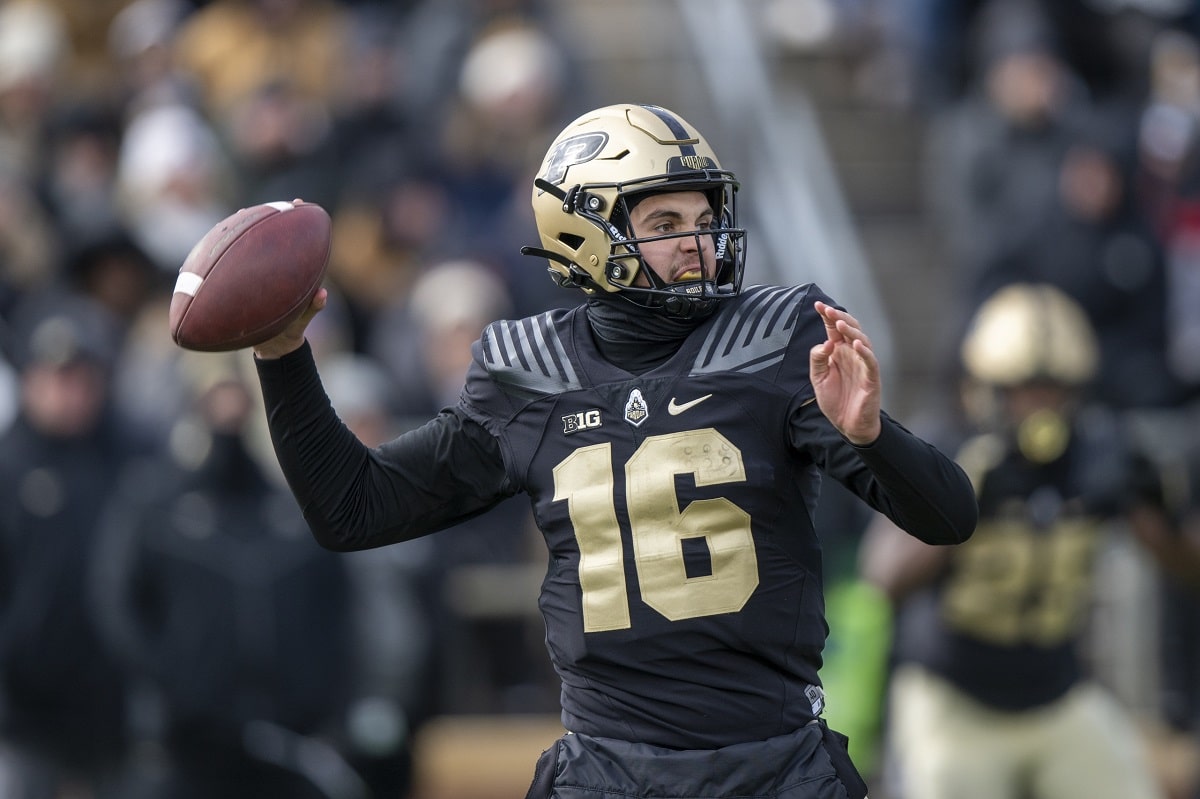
<point x="528" y="358"/>
<point x="755" y="336"/>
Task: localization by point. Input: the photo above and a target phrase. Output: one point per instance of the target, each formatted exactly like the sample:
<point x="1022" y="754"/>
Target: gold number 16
<point x="585" y="479"/>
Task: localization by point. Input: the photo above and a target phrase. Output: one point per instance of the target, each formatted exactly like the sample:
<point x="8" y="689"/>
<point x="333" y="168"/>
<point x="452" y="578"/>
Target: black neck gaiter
<point x="634" y="338"/>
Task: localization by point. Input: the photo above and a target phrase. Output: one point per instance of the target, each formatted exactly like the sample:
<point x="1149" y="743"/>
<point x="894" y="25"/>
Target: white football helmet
<point x="581" y="205"/>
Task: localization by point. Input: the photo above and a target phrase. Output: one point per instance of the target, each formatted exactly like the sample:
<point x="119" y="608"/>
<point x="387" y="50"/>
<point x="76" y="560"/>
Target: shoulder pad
<point x="526" y="357"/>
<point x="755" y="335"/>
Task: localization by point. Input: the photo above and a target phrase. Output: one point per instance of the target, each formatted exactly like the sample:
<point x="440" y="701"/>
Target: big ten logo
<point x="584" y="420"/>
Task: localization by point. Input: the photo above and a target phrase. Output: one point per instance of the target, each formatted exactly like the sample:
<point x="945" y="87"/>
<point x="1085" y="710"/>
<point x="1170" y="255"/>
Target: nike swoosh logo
<point x="676" y="409"/>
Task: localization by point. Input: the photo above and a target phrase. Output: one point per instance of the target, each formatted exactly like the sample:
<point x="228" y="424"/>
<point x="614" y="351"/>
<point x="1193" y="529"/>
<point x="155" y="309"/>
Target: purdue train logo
<point x="635" y="408"/>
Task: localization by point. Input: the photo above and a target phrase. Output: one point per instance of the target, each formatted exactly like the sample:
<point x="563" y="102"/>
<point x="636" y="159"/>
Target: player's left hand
<point x="845" y="375"/>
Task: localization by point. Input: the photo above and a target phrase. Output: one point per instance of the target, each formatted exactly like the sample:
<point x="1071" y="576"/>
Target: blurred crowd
<point x="1061" y="158"/>
<point x="167" y="626"/>
<point x="159" y="592"/>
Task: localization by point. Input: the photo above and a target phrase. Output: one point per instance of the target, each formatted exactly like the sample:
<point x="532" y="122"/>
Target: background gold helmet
<point x="582" y="195"/>
<point x="1027" y="333"/>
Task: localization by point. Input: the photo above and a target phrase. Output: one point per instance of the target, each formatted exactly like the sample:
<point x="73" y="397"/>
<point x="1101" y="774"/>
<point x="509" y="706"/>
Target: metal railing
<point x="800" y="221"/>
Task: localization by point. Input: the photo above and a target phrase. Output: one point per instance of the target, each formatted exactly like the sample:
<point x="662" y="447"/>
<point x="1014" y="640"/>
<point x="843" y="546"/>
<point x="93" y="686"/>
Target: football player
<point x="990" y="698"/>
<point x="671" y="433"/>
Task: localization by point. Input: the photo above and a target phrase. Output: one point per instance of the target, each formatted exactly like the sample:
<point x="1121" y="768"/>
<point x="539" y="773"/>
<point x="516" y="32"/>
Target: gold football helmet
<point x="584" y="190"/>
<point x="1028" y="333"/>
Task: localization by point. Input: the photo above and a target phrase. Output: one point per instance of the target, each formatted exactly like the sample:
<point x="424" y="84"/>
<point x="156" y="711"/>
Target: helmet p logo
<point x="569" y="152"/>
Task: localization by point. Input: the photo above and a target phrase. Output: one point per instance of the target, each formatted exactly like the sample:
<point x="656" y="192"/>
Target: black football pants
<point x="810" y="763"/>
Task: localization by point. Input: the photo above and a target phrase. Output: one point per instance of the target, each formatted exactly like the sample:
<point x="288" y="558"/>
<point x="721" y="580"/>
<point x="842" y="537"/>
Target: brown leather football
<point x="250" y="276"/>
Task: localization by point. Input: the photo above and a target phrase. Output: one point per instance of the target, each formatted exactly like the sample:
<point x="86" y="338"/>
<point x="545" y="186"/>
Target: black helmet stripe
<point x="676" y="127"/>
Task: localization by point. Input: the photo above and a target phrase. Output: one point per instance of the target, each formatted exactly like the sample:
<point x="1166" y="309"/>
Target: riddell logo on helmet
<point x="571" y="152"/>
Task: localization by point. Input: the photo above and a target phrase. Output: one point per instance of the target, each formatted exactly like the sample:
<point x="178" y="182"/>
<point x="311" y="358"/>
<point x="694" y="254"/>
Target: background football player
<point x="991" y="698"/>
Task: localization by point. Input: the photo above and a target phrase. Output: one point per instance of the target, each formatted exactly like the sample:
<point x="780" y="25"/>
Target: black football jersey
<point x="682" y="600"/>
<point x="1005" y="619"/>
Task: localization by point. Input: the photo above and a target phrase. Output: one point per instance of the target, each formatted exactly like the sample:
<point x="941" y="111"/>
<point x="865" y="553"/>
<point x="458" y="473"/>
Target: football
<point x="250" y="276"/>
